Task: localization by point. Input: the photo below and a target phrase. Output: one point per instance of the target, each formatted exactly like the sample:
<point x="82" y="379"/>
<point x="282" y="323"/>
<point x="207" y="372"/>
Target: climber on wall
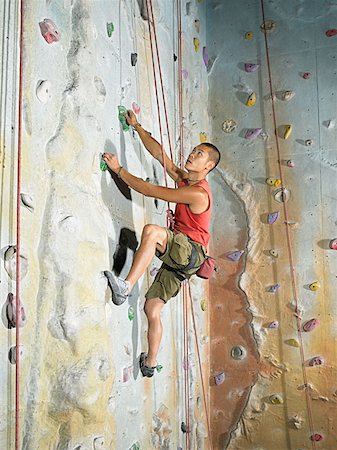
<point x="183" y="249"/>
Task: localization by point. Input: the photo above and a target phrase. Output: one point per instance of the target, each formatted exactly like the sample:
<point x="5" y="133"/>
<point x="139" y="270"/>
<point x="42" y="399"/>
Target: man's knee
<point x="153" y="307"/>
<point x="154" y="232"/>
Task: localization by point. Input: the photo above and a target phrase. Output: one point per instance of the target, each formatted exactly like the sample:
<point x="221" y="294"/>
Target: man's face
<point x="197" y="159"/>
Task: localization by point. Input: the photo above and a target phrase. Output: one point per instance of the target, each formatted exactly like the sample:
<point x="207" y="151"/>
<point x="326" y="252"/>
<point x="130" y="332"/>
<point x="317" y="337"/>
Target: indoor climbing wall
<point x="274" y="328"/>
<point x="80" y="387"/>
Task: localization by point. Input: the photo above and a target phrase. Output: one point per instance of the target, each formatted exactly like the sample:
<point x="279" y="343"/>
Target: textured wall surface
<point x="80" y="383"/>
<point x="297" y="44"/>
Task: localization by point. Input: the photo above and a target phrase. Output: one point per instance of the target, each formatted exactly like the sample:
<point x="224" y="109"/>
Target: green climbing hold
<point x="103" y="165"/>
<point x="121" y="111"/>
<point x="110" y="28"/>
<point x="159" y="368"/>
<point x="203" y="304"/>
<point x="131" y="313"/>
<point x="135" y="446"/>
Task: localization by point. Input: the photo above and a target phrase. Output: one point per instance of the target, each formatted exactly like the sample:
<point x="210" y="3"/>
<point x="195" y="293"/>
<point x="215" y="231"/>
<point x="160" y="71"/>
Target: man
<point x="182" y="250"/>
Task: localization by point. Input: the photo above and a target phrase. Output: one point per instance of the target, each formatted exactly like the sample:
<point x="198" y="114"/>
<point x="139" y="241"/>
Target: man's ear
<point x="210" y="165"/>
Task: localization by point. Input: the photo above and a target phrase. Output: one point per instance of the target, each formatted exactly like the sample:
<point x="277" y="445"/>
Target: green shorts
<point x="177" y="256"/>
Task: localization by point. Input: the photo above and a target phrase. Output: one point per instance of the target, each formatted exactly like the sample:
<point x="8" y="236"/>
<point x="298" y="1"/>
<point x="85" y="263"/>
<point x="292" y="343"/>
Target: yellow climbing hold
<point x="249" y="35"/>
<point x="273" y="253"/>
<point x="287" y="131"/>
<point x="270" y="181"/>
<point x="314" y="286"/>
<point x="203" y="137"/>
<point x="196" y="43"/>
<point x="251" y="99"/>
<point x="203" y="304"/>
<point x="276" y="399"/>
<point x="277" y="182"/>
<point x="293" y="343"/>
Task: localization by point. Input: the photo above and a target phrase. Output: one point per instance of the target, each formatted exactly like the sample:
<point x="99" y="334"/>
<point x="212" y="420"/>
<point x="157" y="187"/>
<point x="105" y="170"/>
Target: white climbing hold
<point x="10" y="263"/>
<point x="281" y="195"/>
<point x="229" y="125"/>
<point x="99" y="443"/>
<point x="329" y="123"/>
<point x="287" y="95"/>
<point x="43" y="91"/>
<point x="27" y="201"/>
<point x="309" y="142"/>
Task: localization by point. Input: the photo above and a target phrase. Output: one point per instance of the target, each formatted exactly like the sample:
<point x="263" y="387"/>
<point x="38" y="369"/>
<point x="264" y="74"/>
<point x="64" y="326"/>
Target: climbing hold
<point x="121" y="111"/>
<point x="249" y="35"/>
<point x="197" y="25"/>
<point x="333" y="244"/>
<point x="273" y="288"/>
<point x="205" y="55"/>
<point x="10" y="263"/>
<point x="203" y="304"/>
<point x="331" y="32"/>
<point x="273" y="324"/>
<point x="268" y="25"/>
<point x="10" y="308"/>
<point x="229" y="125"/>
<point x="309" y="142"/>
<point x="43" y="90"/>
<point x="306" y="75"/>
<point x="287" y="95"/>
<point x="253" y="133"/>
<point x="235" y="256"/>
<point x="127" y="373"/>
<point x="110" y="28"/>
<point x="251" y="100"/>
<point x="103" y="165"/>
<point x="136" y="108"/>
<point x="273" y="253"/>
<point x="281" y="195"/>
<point x="220" y="378"/>
<point x="314" y="286"/>
<point x="238" y="352"/>
<point x="49" y="31"/>
<point x="202" y="137"/>
<point x="159" y="368"/>
<point x="99" y="443"/>
<point x="27" y="201"/>
<point x="316" y="361"/>
<point x="131" y="313"/>
<point x="154" y="271"/>
<point x="329" y="123"/>
<point x="310" y="325"/>
<point x="135" y="446"/>
<point x="251" y="67"/>
<point x="184" y="74"/>
<point x="277" y="182"/>
<point x="317" y="437"/>
<point x="293" y="342"/>
<point x="272" y="217"/>
<point x="276" y="399"/>
<point x="287" y="131"/>
<point x="290" y="163"/>
<point x="270" y="181"/>
<point x="134" y="57"/>
<point x="183" y="427"/>
<point x="12" y="354"/>
<point x="196" y="44"/>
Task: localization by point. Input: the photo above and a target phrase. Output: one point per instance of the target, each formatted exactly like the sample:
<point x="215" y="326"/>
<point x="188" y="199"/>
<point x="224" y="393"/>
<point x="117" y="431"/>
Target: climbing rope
<point x="18" y="238"/>
<point x="289" y="241"/>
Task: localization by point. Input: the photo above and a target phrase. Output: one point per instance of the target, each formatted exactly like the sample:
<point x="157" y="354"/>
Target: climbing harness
<point x="288" y="238"/>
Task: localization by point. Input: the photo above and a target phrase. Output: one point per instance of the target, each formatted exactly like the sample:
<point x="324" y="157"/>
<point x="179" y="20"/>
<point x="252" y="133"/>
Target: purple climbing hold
<point x="205" y="55"/>
<point x="331" y="32"/>
<point x="184" y="74"/>
<point x="273" y="324"/>
<point x="311" y="324"/>
<point x="49" y="31"/>
<point x="316" y="361"/>
<point x="10" y="307"/>
<point x="253" y="133"/>
<point x="220" y="378"/>
<point x="273" y="288"/>
<point x="272" y="217"/>
<point x="134" y="57"/>
<point x="251" y="67"/>
<point x="333" y="244"/>
<point x="235" y="256"/>
<point x="290" y="163"/>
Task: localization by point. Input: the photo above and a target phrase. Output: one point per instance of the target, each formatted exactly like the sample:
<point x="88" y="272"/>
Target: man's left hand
<point x="111" y="161"/>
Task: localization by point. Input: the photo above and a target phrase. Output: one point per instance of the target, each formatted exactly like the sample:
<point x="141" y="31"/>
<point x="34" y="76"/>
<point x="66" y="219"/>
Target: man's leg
<point x="152" y="310"/>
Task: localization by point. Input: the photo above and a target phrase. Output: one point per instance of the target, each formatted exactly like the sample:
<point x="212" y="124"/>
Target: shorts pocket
<point x="181" y="249"/>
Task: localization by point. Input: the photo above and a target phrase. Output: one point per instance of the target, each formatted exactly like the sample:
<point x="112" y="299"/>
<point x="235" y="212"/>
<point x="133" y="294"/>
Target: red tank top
<point x="195" y="226"/>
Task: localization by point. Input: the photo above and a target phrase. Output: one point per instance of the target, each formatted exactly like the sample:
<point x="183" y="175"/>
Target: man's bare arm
<point x="155" y="149"/>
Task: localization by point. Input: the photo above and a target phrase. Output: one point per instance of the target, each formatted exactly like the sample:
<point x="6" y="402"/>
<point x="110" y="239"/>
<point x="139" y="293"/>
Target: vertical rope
<point x="186" y="367"/>
<point x="180" y="87"/>
<point x="288" y="237"/>
<point x="18" y="240"/>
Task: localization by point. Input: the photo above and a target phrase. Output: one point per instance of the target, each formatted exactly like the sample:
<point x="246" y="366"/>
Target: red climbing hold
<point x="316" y="361"/>
<point x="205" y="55"/>
<point x="310" y="325"/>
<point x="333" y="244"/>
<point x="331" y="32"/>
<point x="316" y="437"/>
<point x="306" y="75"/>
<point x="49" y="31"/>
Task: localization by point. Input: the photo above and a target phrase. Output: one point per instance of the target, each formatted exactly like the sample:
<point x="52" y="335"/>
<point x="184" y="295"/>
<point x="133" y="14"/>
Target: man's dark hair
<point x="213" y="153"/>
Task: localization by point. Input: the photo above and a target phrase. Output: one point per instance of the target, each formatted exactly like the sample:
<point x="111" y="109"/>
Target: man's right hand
<point x="131" y="118"/>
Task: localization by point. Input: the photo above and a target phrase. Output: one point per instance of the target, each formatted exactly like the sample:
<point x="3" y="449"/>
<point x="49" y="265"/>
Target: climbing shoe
<point x="146" y="371"/>
<point x="119" y="288"/>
